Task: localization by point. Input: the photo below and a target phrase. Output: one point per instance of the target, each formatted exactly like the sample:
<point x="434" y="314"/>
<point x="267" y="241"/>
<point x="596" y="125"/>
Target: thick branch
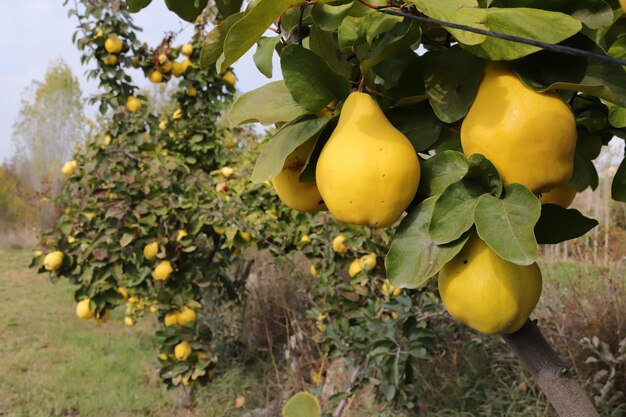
<point x="538" y="357"/>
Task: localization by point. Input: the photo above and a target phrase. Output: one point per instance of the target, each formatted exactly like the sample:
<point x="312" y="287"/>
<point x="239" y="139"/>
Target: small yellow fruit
<point x="162" y="271"/>
<point x="133" y="104"/>
<point x="300" y="196"/>
<point x="162" y="125"/>
<point x="178" y="69"/>
<point x="110" y="60"/>
<point x="150" y="250"/>
<point x="162" y="58"/>
<point x="90" y="215"/>
<point x="187" y="49"/>
<point x="186" y="64"/>
<point x="53" y="260"/>
<point x="191" y="92"/>
<point x="313" y="271"/>
<point x="182" y="351"/>
<point x="107" y="139"/>
<point x="562" y="195"/>
<point x="37" y="253"/>
<point x="69" y="167"/>
<point x="338" y="245"/>
<point x="123" y="292"/>
<point x="305" y="239"/>
<point x="530" y="137"/>
<point x="178" y="114"/>
<point x="227" y="172"/>
<point x="167" y="67"/>
<point x="181" y="234"/>
<point x="623" y="4"/>
<point x="368" y="262"/>
<point x="186" y="315"/>
<point x="219" y="230"/>
<point x="355" y="268"/>
<point x="246" y="236"/>
<point x="486" y="292"/>
<point x="154" y="309"/>
<point x="163" y="356"/>
<point x="171" y="318"/>
<point x="83" y="309"/>
<point x="71" y="240"/>
<point x="99" y="33"/>
<point x="128" y="321"/>
<point x="133" y="300"/>
<point x="229" y="78"/>
<point x="156" y="76"/>
<point x="113" y="44"/>
<point x="368" y="171"/>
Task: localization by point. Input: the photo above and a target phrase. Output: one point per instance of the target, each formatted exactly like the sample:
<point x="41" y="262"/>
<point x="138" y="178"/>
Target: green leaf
<point x="451" y="92"/>
<point x="328" y="17"/>
<point x="558" y="224"/>
<point x="323" y="44"/>
<point x="618" y="187"/>
<point x="136" y="5"/>
<point x="453" y="214"/>
<point x="413" y="257"/>
<point x="171" y="371"/>
<point x="441" y="170"/>
<point x="188" y="10"/>
<point x="213" y="44"/>
<point x="588" y="147"/>
<point x="539" y="25"/>
<point x="228" y="7"/>
<point x="617" y="115"/>
<point x="126" y="239"/>
<point x="351" y="30"/>
<point x="507" y="224"/>
<point x="264" y="53"/>
<point x="419" y="125"/>
<point x="401" y="37"/>
<point x="302" y="404"/>
<point x="270" y="161"/>
<point x="463" y="12"/>
<point x="310" y="80"/>
<point x="481" y="171"/>
<point x="548" y="71"/>
<point x="267" y="105"/>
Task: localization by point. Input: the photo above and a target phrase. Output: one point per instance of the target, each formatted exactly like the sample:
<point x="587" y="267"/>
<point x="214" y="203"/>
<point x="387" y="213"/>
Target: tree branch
<point x="564" y="393"/>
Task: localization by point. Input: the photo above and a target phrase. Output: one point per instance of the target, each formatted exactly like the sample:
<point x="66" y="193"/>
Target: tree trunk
<point x="538" y="357"/>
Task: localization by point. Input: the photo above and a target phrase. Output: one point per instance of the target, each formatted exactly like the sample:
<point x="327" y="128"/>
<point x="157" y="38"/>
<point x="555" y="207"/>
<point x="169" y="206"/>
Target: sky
<point x="34" y="33"/>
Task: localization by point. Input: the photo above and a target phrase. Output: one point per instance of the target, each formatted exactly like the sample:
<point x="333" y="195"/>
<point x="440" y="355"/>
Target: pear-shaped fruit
<point x="338" y="245"/>
<point x="186" y="315"/>
<point x="562" y="195"/>
<point x="171" y="318"/>
<point x="355" y="268"/>
<point x="150" y="250"/>
<point x="162" y="271"/>
<point x="133" y="104"/>
<point x="368" y="171"/>
<point x="368" y="262"/>
<point x="156" y="76"/>
<point x="187" y="49"/>
<point x="182" y="351"/>
<point x="53" y="260"/>
<point x="113" y="44"/>
<point x="68" y="168"/>
<point x="229" y="78"/>
<point x="529" y="136"/>
<point x="486" y="292"/>
<point x="83" y="309"/>
<point x="301" y="196"/>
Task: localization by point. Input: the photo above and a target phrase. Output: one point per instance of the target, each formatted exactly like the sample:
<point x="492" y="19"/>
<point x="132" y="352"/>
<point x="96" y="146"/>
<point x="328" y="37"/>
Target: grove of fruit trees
<point x="383" y="108"/>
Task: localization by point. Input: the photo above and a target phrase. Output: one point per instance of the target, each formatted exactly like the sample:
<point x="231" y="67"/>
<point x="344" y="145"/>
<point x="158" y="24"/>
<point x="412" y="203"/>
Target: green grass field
<point x="53" y="364"/>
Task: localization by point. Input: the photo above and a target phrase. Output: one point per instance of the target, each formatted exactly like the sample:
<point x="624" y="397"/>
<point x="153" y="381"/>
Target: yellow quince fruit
<point x="162" y="271"/>
<point x="368" y="171"/>
<point x="156" y="76"/>
<point x="229" y="78"/>
<point x="171" y="318"/>
<point x="186" y="315"/>
<point x="187" y="49"/>
<point x="69" y="167"/>
<point x="178" y="69"/>
<point x="313" y="271"/>
<point x="53" y="260"/>
<point x="110" y="60"/>
<point x="191" y="92"/>
<point x="133" y="104"/>
<point x="113" y="44"/>
<point x="368" y="262"/>
<point x="355" y="268"/>
<point x="338" y="245"/>
<point x="128" y="321"/>
<point x="563" y="195"/>
<point x="181" y="234"/>
<point x="150" y="250"/>
<point x="227" y="172"/>
<point x="182" y="351"/>
<point x="83" y="309"/>
<point x="529" y="136"/>
<point x="300" y="196"/>
<point x="486" y="292"/>
<point x="123" y="292"/>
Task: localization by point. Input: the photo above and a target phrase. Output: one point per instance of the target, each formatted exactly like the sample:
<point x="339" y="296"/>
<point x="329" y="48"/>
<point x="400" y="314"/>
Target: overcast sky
<point x="34" y="33"/>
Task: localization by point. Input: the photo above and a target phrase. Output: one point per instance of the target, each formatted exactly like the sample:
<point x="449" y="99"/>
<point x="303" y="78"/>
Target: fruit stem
<point x="564" y="393"/>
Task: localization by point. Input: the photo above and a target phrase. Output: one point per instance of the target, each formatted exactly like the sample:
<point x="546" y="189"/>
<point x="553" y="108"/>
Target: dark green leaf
<point x="618" y="187"/>
<point x="171" y="371"/>
<point x="441" y="170"/>
<point x="481" y="171"/>
<point x="507" y="224"/>
<point x="328" y="17"/>
<point x="450" y="91"/>
<point x="558" y="224"/>
<point x="464" y="12"/>
<point x="213" y="44"/>
<point x="413" y="257"/>
<point x="588" y="147"/>
<point x="454" y="213"/>
<point x="617" y="115"/>
<point x="323" y="44"/>
<point x="418" y="123"/>
<point x="264" y="53"/>
<point x="136" y="5"/>
<point x="267" y="105"/>
<point x="188" y="10"/>
<point x="310" y="80"/>
<point x="228" y="7"/>
<point x="270" y="161"/>
<point x="402" y="36"/>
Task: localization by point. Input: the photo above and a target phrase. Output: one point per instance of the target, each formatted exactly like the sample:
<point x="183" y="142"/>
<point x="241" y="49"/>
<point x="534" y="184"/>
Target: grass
<point x="54" y="364"/>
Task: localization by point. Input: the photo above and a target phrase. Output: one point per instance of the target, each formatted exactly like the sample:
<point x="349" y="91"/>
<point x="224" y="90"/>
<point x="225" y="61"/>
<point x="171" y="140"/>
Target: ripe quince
<point x="171" y="318"/>
<point x="229" y="78"/>
<point x="186" y="315"/>
<point x="53" y="260"/>
<point x="355" y="268"/>
<point x="83" y="309"/>
<point x="529" y="136"/>
<point x="187" y="49"/>
<point x="562" y="195"/>
<point x="162" y="271"/>
<point x="156" y="76"/>
<point x="301" y="196"/>
<point x="368" y="171"/>
<point x="338" y="245"/>
<point x="113" y="44"/>
<point x="150" y="250"/>
<point x="182" y="351"/>
<point x="133" y="104"/>
<point x="486" y="292"/>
